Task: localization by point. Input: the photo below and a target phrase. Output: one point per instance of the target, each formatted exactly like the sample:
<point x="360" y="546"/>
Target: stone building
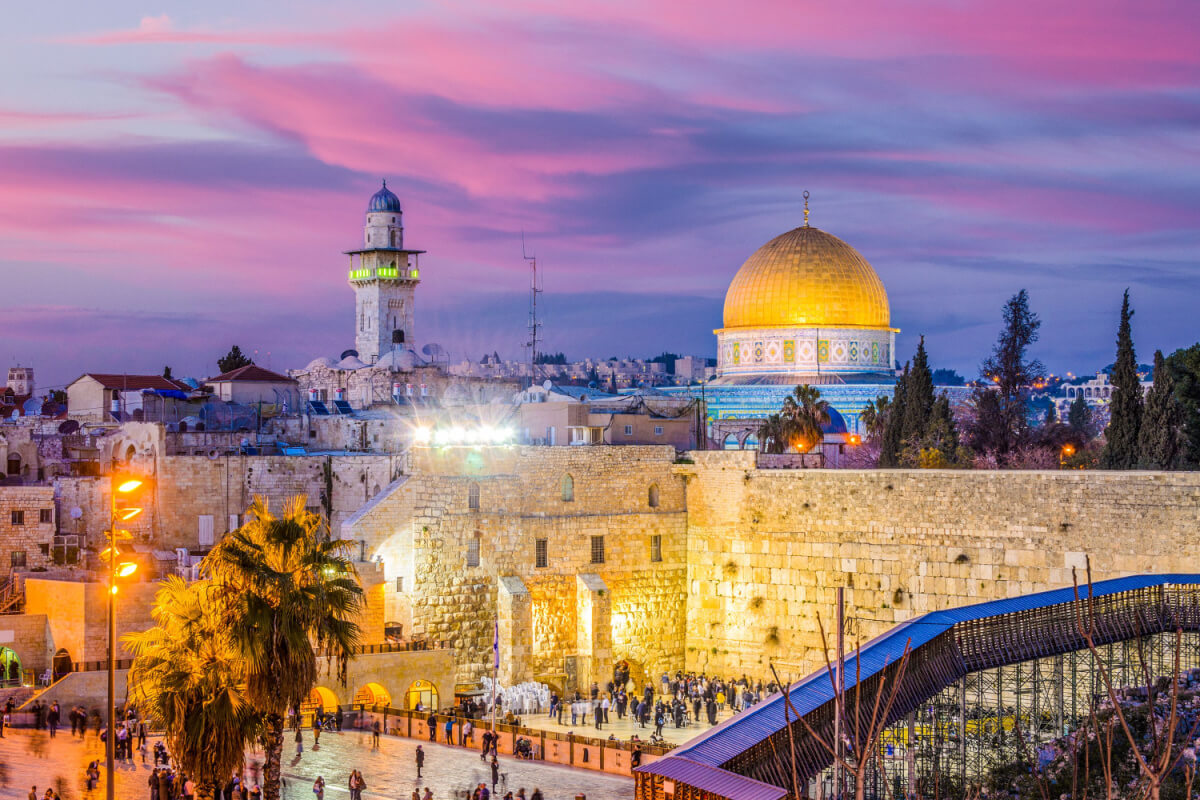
<point x="27" y="527"/>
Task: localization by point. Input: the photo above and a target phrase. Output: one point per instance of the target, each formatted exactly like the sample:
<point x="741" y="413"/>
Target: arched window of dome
<point x="473" y="496"/>
<point x="568" y="488"/>
<point x="652" y="499"/>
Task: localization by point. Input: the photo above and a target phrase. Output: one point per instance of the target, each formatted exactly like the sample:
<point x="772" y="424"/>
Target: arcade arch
<point x="423" y="692"/>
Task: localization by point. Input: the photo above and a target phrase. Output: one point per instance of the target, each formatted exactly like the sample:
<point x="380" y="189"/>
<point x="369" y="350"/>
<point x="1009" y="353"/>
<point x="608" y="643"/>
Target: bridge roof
<point x="741" y="732"/>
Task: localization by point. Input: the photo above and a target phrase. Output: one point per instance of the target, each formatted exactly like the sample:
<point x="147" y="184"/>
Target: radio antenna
<point x="535" y="326"/>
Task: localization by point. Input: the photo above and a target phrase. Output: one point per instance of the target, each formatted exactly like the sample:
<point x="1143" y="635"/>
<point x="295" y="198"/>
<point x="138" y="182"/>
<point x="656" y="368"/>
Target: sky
<point x="179" y="177"/>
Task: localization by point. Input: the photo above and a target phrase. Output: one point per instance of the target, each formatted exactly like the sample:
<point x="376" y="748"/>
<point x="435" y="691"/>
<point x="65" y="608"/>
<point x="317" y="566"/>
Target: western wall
<point x="749" y="556"/>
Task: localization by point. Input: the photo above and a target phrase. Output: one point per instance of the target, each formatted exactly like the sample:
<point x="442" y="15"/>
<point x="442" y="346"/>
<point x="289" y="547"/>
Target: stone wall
<point x="26" y="527"/>
<point x="426" y="533"/>
<point x="767" y="548"/>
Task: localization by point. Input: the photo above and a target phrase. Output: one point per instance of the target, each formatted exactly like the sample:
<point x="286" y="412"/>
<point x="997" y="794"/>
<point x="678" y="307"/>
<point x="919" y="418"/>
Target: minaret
<point x="384" y="276"/>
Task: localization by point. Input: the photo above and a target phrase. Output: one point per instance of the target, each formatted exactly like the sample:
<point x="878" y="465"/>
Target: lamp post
<point x="121" y="510"/>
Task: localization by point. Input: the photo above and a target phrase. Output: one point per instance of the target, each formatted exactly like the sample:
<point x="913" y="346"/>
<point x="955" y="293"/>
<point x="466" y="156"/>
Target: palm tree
<point x="805" y="413"/>
<point x="186" y="676"/>
<point x="773" y="434"/>
<point x="289" y="595"/>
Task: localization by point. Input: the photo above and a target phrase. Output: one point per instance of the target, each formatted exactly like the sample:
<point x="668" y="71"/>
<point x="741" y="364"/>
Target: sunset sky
<point x="175" y="178"/>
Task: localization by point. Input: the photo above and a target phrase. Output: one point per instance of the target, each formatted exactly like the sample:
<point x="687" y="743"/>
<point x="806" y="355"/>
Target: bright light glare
<point x="113" y="590"/>
<point x="484" y="434"/>
<point x="126" y="569"/>
<point x="129" y="486"/>
<point x="422" y="435"/>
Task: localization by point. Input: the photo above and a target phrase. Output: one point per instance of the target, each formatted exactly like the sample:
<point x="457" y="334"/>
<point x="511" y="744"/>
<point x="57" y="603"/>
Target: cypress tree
<point x="918" y="398"/>
<point x="893" y="431"/>
<point x="1079" y="417"/>
<point x="1012" y="374"/>
<point x="1159" y="442"/>
<point x="1185" y="373"/>
<point x="1121" y="447"/>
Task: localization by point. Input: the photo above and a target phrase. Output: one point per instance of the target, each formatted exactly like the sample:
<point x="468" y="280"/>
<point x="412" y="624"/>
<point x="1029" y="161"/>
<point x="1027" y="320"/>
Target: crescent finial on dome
<point x="806" y="208"/>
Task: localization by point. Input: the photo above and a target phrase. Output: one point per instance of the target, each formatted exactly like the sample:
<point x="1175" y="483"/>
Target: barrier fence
<point x="586" y="752"/>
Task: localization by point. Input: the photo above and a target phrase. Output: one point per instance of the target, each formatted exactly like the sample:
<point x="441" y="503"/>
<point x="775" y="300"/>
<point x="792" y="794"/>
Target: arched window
<point x="130" y="452"/>
<point x="568" y="489"/>
<point x="473" y="550"/>
<point x="652" y="500"/>
<point x="473" y="496"/>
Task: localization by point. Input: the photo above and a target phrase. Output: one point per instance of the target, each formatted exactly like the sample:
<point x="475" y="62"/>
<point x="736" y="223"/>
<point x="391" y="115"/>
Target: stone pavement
<point x="390" y="772"/>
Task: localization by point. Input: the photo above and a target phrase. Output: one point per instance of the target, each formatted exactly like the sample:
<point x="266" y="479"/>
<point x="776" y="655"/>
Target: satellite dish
<point x="435" y="352"/>
<point x="347" y="354"/>
<point x="548" y="385"/>
<point x="68" y="427"/>
<point x="76" y="512"/>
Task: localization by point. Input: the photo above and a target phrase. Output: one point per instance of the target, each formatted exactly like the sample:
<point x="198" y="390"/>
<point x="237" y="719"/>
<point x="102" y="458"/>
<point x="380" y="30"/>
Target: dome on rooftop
<point x="384" y="200"/>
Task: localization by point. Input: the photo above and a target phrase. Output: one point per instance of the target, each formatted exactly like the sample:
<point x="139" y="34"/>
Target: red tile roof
<point x="136" y="382"/>
<point x="252" y="373"/>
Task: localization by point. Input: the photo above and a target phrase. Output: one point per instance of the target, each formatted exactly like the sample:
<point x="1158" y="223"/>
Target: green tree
<point x="939" y="446"/>
<point x="874" y="417"/>
<point x="1079" y="417"/>
<point x="1185" y="372"/>
<point x="918" y="398"/>
<point x="187" y="677"/>
<point x="1011" y="372"/>
<point x="1121" y="435"/>
<point x="1159" y="439"/>
<point x="289" y="596"/>
<point x="804" y="414"/>
<point x="234" y="359"/>
<point x="893" y="430"/>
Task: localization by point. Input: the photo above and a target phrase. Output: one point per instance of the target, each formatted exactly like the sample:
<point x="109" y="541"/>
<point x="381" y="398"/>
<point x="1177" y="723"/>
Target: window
<point x="17" y="516"/>
<point x="399" y="583"/>
<point x="473" y="497"/>
<point x="473" y="552"/>
<point x="234" y="522"/>
<point x="656" y="548"/>
<point x="46" y="516"/>
<point x="658" y="430"/>
<point x="652" y="496"/>
<point x="597" y="549"/>
<point x="540" y="559"/>
<point x="568" y="489"/>
<point x="206" y="530"/>
<point x="18" y="558"/>
<point x="629" y="430"/>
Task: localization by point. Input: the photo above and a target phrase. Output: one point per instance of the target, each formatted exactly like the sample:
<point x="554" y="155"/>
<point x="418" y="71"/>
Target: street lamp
<point x="124" y="507"/>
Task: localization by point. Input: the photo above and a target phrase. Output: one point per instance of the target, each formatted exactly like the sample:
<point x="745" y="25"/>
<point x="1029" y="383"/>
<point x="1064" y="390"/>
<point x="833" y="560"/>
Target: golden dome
<point x="806" y="278"/>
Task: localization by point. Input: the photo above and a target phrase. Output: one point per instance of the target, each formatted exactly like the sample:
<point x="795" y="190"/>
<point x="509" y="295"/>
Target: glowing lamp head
<point x="125" y="569"/>
<point x="855" y="439"/>
<point x="125" y="487"/>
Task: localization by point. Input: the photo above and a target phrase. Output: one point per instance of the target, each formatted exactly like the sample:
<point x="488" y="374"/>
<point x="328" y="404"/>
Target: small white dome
<point x="350" y="362"/>
<point x="323" y="361"/>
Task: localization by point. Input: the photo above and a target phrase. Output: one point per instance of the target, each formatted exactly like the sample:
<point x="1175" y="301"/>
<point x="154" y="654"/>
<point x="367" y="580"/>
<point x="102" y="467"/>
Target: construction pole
<point x="839" y="695"/>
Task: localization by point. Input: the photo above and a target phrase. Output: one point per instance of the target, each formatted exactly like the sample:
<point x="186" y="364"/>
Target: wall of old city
<point x="767" y="548"/>
<point x="569" y="620"/>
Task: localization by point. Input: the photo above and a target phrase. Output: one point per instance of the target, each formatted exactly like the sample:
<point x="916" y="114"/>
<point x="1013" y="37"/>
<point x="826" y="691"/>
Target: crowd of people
<point x="681" y="701"/>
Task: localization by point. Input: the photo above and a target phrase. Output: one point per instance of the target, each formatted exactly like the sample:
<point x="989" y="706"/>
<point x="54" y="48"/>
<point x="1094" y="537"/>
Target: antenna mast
<point x="535" y="288"/>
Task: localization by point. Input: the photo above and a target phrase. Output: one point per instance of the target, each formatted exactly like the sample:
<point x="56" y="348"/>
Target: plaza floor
<point x="27" y="760"/>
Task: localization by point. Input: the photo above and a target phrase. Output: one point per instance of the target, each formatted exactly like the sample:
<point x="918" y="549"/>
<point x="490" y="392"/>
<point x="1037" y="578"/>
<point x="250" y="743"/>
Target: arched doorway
<point x="372" y="694"/>
<point x="61" y="665"/>
<point x="422" y="692"/>
<point x="10" y="667"/>
<point x="319" y="699"/>
<point x="632" y="671"/>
